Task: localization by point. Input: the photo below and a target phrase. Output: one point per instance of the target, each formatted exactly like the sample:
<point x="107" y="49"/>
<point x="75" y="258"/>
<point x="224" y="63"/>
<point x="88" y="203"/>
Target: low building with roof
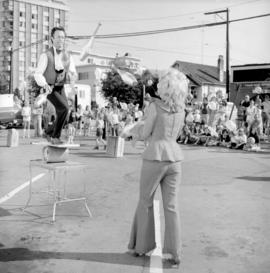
<point x="249" y="79"/>
<point x="205" y="80"/>
<point x="93" y="69"/>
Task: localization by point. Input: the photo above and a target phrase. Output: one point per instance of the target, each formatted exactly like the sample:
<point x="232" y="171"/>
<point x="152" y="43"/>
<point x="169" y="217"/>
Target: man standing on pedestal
<point x="56" y="68"/>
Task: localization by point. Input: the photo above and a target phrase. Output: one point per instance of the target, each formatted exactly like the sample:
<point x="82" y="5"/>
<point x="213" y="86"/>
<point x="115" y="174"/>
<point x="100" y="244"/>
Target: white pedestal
<point x="115" y="146"/>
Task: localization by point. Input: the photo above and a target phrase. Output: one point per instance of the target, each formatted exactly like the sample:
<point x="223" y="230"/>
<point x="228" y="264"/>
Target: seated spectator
<point x="239" y="140"/>
<point x="229" y="124"/>
<point x="185" y="135"/>
<point x="251" y="145"/>
<point x="195" y="135"/>
<point x="213" y="139"/>
<point x="224" y="139"/>
<point x="204" y="136"/>
<point x="192" y="134"/>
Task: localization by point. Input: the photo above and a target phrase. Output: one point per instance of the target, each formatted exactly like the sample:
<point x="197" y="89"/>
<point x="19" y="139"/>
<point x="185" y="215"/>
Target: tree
<point x="32" y="88"/>
<point x="4" y="84"/>
<point x="113" y="86"/>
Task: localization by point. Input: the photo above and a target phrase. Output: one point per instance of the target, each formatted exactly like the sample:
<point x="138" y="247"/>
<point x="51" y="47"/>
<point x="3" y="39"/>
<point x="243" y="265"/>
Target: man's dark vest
<point x="50" y="73"/>
<point x="52" y="76"/>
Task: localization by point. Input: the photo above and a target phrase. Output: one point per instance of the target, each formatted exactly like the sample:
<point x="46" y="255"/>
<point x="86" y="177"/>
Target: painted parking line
<point x="156" y="256"/>
<point x="21" y="187"/>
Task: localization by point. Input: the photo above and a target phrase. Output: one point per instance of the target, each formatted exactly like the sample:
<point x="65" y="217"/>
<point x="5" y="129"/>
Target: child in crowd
<point x="26" y="113"/>
<point x="239" y="140"/>
<point x="79" y="118"/>
<point x="197" y="116"/>
<point x="251" y="145"/>
<point x="189" y="117"/>
<point x="87" y="115"/>
<point x="255" y="132"/>
<point x="99" y="132"/>
<point x="203" y="136"/>
<point x="114" y="120"/>
<point x="213" y="107"/>
<point x="224" y="139"/>
<point x="184" y="137"/>
<point x="71" y="131"/>
<point x="195" y="134"/>
<point x="204" y="110"/>
<point x="240" y="115"/>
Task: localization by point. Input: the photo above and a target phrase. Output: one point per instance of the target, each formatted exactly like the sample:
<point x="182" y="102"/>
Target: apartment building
<point x="25" y="27"/>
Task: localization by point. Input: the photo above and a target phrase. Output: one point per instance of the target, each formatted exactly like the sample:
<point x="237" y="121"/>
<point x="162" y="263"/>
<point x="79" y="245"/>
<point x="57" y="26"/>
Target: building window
<point x="82" y="94"/>
<point x="45" y="47"/>
<point x="22" y="24"/>
<point x="22" y="43"/>
<point x="46" y="38"/>
<point x="22" y="14"/>
<point x="21" y="55"/>
<point x="33" y="56"/>
<point x="33" y="37"/>
<point x="83" y="76"/>
<point x="34" y="49"/>
<point x="34" y="9"/>
<point x="22" y="6"/>
<point x="46" y="28"/>
<point x="57" y="22"/>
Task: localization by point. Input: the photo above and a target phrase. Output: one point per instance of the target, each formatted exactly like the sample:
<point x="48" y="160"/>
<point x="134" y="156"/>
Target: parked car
<point x="10" y="112"/>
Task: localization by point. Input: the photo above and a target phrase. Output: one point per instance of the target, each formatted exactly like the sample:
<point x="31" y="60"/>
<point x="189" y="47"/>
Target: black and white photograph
<point x="134" y="136"/>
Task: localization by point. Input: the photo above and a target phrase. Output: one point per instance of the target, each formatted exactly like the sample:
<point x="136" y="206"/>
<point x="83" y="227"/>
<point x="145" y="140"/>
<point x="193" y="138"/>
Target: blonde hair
<point x="173" y="89"/>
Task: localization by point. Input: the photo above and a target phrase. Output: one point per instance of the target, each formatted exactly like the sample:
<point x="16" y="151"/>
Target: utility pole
<point x="227" y="48"/>
<point x="11" y="74"/>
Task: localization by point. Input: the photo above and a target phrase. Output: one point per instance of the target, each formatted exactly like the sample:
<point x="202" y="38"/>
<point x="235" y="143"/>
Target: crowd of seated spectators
<point x="208" y="124"/>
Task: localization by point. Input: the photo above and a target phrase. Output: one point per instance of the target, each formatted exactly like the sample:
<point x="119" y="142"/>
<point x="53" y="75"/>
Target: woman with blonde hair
<point x="161" y="167"/>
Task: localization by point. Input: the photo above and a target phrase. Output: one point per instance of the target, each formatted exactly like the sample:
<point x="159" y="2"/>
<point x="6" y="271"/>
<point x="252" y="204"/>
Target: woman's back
<point x="166" y="128"/>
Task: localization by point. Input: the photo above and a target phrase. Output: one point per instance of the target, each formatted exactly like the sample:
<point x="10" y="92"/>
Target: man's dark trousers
<point x="59" y="100"/>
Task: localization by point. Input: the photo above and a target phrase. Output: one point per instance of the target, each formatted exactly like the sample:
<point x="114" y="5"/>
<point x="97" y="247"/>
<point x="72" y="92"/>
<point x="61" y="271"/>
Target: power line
<point x="160" y="31"/>
<point x="155" y="49"/>
<point x="162" y="17"/>
<point x="151" y="32"/>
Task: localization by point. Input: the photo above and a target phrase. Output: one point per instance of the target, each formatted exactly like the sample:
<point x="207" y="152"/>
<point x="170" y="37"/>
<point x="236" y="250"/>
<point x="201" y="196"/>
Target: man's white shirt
<point x="42" y="65"/>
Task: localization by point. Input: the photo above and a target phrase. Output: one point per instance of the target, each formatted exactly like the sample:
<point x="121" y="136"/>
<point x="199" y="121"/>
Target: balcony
<point x="8" y="16"/>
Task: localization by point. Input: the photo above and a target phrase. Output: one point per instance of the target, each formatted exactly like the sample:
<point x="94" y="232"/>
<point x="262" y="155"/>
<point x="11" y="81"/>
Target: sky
<point x="249" y="40"/>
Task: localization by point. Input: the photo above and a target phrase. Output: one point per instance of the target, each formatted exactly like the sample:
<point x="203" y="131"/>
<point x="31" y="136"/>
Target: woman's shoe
<point x="175" y="261"/>
<point x="56" y="141"/>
